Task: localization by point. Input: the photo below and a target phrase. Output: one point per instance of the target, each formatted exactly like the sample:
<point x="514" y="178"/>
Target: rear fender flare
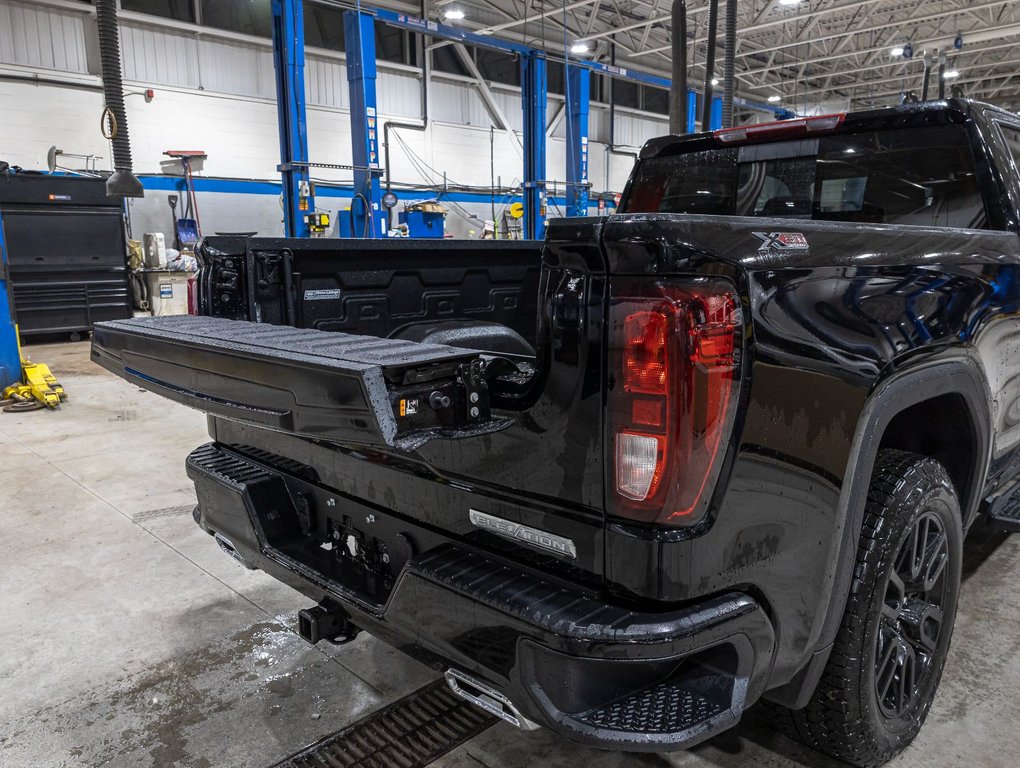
<point x="954" y="372"/>
<point x="959" y="373"/>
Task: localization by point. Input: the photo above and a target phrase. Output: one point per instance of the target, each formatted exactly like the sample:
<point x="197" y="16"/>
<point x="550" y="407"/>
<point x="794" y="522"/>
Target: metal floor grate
<point x="409" y="733"/>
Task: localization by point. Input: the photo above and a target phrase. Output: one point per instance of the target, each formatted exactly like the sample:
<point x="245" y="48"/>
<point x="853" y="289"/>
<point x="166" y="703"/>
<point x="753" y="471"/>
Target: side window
<point x="1011" y="138"/>
<point x="919" y="177"/>
<point x="772" y="188"/>
<point x="780" y="188"/>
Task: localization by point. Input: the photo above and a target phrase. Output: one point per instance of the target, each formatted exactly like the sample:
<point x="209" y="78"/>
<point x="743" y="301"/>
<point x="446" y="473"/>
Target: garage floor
<point x="128" y="639"/>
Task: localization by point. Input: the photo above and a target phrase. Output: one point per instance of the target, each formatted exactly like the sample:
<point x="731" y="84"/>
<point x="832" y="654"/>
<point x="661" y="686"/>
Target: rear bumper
<point x="596" y="672"/>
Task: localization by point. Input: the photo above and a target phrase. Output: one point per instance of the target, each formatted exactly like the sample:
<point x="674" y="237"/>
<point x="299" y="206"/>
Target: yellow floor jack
<point x="37" y="389"/>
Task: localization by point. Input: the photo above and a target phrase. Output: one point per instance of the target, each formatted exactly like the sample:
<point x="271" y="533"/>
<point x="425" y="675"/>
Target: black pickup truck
<point x="720" y="447"/>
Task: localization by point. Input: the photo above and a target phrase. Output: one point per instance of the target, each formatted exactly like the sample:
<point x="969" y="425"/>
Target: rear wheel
<point x="888" y="657"/>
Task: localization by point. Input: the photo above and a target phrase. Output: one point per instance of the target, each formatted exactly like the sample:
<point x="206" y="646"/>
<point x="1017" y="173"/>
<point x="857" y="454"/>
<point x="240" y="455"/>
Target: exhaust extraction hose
<point x="678" y="89"/>
<point x="713" y="21"/>
<point x="729" y="55"/>
<point x="123" y="182"/>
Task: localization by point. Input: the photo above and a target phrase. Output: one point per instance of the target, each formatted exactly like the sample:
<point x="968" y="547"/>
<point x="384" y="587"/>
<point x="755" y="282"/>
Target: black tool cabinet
<point x="66" y="251"/>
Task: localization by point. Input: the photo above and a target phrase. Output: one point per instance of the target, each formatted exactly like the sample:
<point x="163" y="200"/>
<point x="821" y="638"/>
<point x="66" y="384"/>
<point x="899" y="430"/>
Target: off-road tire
<point x="847" y="717"/>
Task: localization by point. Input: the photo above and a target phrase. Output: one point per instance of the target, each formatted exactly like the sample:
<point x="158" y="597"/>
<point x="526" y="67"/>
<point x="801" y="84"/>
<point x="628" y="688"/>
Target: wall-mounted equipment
<point x="53" y="162"/>
<point x="317" y="223"/>
<point x="185" y="162"/>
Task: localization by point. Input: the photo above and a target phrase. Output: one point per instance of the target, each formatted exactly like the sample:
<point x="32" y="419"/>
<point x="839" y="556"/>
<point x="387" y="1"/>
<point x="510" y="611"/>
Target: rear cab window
<point x="922" y="176"/>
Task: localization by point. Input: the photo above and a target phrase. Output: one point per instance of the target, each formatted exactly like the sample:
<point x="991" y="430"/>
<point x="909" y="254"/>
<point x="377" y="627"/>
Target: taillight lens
<point x="675" y="354"/>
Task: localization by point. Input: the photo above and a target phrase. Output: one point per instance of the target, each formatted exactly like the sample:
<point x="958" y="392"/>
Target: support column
<point x="10" y="358"/>
<point x="578" y="99"/>
<point x="533" y="102"/>
<point x="715" y="120"/>
<point x="359" y="35"/>
<point x="289" y="61"/>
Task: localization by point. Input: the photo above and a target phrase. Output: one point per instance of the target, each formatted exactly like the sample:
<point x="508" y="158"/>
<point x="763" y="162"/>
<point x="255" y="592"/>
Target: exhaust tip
<point x="227" y="546"/>
<point x="489" y="699"/>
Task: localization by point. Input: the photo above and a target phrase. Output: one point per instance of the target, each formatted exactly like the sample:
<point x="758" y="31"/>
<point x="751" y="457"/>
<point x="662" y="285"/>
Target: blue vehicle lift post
<point x="360" y="45"/>
<point x="10" y="357"/>
<point x="366" y="205"/>
<point x="715" y="118"/>
<point x="533" y="102"/>
<point x="289" y="61"/>
<point x="578" y="100"/>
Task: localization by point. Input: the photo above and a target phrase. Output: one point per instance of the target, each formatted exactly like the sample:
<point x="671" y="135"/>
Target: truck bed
<point x="370" y="287"/>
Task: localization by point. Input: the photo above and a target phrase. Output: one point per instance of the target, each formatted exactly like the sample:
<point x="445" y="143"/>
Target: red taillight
<point x="675" y="356"/>
<point x="644" y="356"/>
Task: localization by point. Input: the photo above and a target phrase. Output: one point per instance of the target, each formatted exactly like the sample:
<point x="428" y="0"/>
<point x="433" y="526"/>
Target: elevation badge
<point x="525" y="534"/>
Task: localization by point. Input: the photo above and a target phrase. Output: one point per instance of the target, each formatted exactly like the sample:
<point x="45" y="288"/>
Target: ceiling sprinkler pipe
<point x="678" y="91"/>
<point x="123" y="182"/>
<point x="713" y="25"/>
<point x="729" y="54"/>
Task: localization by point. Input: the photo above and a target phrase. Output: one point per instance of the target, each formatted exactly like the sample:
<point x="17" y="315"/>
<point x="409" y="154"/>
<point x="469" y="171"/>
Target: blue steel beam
<point x="10" y="358"/>
<point x="578" y="100"/>
<point x="359" y="35"/>
<point x="289" y="61"/>
<point x="446" y="32"/>
<point x="533" y="103"/>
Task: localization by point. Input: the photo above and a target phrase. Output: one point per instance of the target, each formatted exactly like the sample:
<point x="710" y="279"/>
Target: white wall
<point x="216" y="94"/>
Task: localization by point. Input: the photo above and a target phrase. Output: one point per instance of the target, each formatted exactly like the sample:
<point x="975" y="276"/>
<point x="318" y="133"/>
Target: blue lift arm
<point x="359" y="35"/>
<point x="578" y="101"/>
<point x="10" y="357"/>
<point x="289" y="61"/>
<point x="533" y="102"/>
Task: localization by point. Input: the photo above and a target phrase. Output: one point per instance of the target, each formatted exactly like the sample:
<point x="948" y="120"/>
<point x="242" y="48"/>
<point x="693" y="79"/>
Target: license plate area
<point x="350" y="547"/>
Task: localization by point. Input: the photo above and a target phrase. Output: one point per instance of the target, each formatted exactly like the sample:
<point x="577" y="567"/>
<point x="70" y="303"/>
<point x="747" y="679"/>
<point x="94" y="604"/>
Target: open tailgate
<point x="333" y="386"/>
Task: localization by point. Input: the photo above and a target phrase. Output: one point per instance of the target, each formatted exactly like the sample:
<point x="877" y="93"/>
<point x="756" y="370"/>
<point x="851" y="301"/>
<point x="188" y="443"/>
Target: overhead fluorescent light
<point x="715" y="81"/>
<point x="896" y="52"/>
<point x="775" y="99"/>
<point x="454" y="14"/>
<point x="580" y="47"/>
<point x="789" y="2"/>
<point x="952" y="73"/>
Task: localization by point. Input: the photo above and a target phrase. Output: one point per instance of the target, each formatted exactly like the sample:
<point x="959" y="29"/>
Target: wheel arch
<point x="952" y="386"/>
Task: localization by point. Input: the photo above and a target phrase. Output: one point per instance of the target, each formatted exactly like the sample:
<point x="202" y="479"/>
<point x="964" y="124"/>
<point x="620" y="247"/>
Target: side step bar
<point x="1004" y="512"/>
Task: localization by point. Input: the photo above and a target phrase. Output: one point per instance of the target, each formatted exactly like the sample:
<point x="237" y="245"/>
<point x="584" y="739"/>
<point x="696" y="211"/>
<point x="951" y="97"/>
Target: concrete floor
<point x="128" y="639"/>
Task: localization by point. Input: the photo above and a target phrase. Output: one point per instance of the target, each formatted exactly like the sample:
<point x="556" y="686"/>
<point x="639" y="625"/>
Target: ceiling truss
<point x="814" y="55"/>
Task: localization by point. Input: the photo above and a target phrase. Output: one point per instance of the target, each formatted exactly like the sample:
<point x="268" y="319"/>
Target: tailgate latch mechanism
<point x="447" y="402"/>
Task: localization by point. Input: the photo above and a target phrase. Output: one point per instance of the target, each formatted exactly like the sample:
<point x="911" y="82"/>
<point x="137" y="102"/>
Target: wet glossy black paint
<point x="866" y="336"/>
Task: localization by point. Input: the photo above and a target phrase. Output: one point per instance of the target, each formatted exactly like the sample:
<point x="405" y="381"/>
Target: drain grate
<point x="409" y="733"/>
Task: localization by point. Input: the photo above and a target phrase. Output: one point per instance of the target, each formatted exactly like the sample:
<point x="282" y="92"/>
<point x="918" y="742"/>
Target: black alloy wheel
<point x="912" y="617"/>
<point x="887" y="659"/>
